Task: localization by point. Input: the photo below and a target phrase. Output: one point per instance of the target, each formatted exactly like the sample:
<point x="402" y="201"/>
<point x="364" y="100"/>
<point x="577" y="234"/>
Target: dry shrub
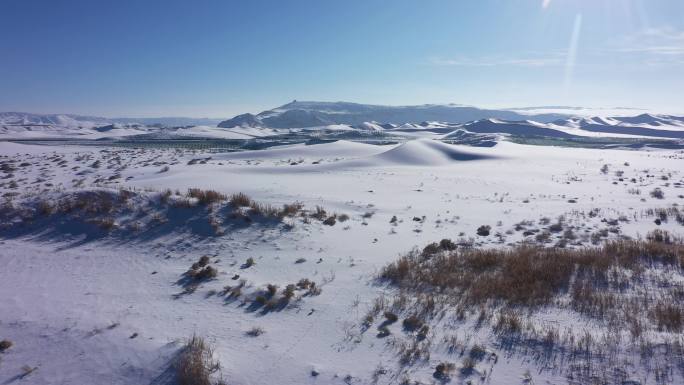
<point x="206" y="273"/>
<point x="5" y="344"/>
<point x="240" y="200"/>
<point x="443" y="369"/>
<point x="196" y="363"/>
<point x="264" y="210"/>
<point x="291" y="209"/>
<point x="319" y="214"/>
<point x="657" y="193"/>
<point x="255" y="332"/>
<point x="330" y="221"/>
<point x="391" y="317"/>
<point x="45" y="208"/>
<point x="289" y="291"/>
<point x="412" y="323"/>
<point x="205" y="197"/>
<point x="484" y="230"/>
<point x="669" y="317"/>
<point x="107" y="223"/>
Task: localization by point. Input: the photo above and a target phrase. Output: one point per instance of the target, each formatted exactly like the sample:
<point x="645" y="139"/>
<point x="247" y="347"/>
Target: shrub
<point x="304" y="283"/>
<point x="255" y="332"/>
<point x="412" y="322"/>
<point x="484" y="230"/>
<point x="249" y="262"/>
<point x="106" y="224"/>
<point x="195" y="363"/>
<point x="468" y="365"/>
<point x="203" y="261"/>
<point x="320" y="213"/>
<point x="45" y="208"/>
<point x="206" y="273"/>
<point x="291" y="209"/>
<point x="443" y="369"/>
<point x="431" y="249"/>
<point x="330" y="221"/>
<point x="422" y="332"/>
<point x="447" y="244"/>
<point x="264" y="210"/>
<point x="668" y="317"/>
<point x="314" y="289"/>
<point x="343" y="217"/>
<point x="205" y="197"/>
<point x="5" y="344"/>
<point x="391" y="317"/>
<point x="657" y="193"/>
<point x="289" y="291"/>
<point x="477" y="352"/>
<point x="271" y="290"/>
<point x="660" y="236"/>
<point x="240" y="200"/>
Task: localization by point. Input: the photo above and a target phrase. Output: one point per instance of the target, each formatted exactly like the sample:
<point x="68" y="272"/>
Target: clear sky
<point x="217" y="58"/>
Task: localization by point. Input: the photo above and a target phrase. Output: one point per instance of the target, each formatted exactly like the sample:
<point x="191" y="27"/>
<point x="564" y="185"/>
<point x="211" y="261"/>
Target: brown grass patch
<point x="527" y="275"/>
<point x="196" y="363"/>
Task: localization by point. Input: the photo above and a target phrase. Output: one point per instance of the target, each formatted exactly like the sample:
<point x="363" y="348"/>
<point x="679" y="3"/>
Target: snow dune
<point x="427" y="152"/>
<point x="340" y="148"/>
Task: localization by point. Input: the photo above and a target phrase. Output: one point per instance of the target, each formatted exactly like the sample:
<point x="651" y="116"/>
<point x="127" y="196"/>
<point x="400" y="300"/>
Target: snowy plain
<point x="87" y="306"/>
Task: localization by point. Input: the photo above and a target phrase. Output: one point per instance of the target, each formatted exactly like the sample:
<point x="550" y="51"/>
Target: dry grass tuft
<point x="196" y="363"/>
<point x="206" y="197"/>
<point x="240" y="200"/>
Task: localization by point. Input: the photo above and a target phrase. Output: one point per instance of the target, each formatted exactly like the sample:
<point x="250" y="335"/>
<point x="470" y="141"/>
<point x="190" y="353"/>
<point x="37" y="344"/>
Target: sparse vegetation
<point x="5" y="344"/>
<point x="528" y="275"/>
<point x="657" y="193"/>
<point x="196" y="363"/>
<point x="255" y="332"/>
<point x="484" y="230"/>
<point x="240" y="200"/>
<point x="206" y="197"/>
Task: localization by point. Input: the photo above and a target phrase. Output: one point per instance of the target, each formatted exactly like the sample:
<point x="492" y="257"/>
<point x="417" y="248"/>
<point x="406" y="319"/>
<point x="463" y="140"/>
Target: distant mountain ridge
<point x="347" y="120"/>
<point x="83" y="121"/>
<point x="302" y="114"/>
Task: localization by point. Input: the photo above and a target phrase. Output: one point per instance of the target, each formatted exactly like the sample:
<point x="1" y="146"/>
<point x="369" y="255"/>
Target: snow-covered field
<point x="100" y="297"/>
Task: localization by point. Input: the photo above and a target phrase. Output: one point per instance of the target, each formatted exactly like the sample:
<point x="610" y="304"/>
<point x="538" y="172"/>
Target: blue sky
<point x="218" y="58"/>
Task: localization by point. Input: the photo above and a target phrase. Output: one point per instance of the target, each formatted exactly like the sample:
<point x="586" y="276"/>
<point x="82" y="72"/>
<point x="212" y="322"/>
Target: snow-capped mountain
<point x="645" y="125"/>
<point x="81" y="121"/>
<point x="311" y="114"/>
<point x="28" y="125"/>
<point x="330" y="119"/>
<point x="61" y="120"/>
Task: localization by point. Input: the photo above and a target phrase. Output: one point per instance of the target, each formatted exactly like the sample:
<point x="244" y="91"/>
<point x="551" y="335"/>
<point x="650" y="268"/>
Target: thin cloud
<point x="663" y="41"/>
<point x="552" y="59"/>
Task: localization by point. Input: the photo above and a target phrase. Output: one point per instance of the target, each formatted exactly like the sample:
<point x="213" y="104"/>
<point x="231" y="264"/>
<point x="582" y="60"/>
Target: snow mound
<point x="341" y="148"/>
<point x="426" y="152"/>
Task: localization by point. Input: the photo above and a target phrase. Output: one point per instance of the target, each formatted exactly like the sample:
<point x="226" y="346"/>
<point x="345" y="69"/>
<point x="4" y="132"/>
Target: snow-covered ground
<point x="89" y="306"/>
